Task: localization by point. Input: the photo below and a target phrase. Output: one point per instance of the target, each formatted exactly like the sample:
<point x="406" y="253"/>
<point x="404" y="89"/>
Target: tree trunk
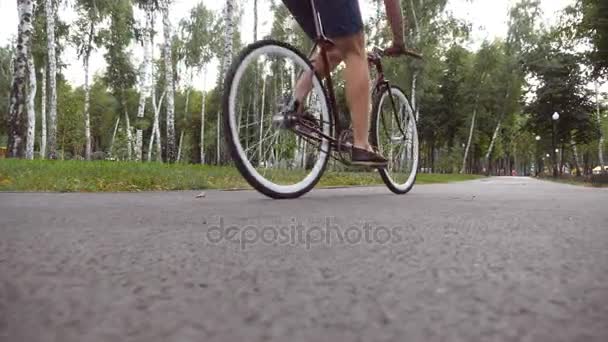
<point x="203" y="112"/>
<point x="52" y="74"/>
<point x="144" y="84"/>
<point x="255" y="20"/>
<point x="217" y="144"/>
<point x="226" y="59"/>
<point x="466" y="151"/>
<point x="128" y="131"/>
<point x="87" y="94"/>
<point x="494" y="136"/>
<point x="156" y="127"/>
<point x="228" y="36"/>
<point x="114" y="137"/>
<point x="17" y="112"/>
<point x="577" y="160"/>
<point x="181" y="144"/>
<point x="599" y="119"/>
<point x="31" y="110"/>
<point x="169" y="87"/>
<point x="43" y="116"/>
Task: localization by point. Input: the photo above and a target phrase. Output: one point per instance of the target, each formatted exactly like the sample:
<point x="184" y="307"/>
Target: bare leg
<point x="304" y="84"/>
<point x="351" y="50"/>
<point x="358" y="81"/>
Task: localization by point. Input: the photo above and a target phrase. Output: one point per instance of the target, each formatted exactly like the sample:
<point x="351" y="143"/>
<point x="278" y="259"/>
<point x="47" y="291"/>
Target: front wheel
<point x="395" y="134"/>
<point x="274" y="158"/>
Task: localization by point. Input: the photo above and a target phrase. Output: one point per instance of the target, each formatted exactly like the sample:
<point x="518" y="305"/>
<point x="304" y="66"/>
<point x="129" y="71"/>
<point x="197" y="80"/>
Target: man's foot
<point x="363" y="157"/>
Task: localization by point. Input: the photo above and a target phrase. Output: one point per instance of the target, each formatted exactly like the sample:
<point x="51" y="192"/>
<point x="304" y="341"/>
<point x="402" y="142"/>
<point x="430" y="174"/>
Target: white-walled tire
<point x="401" y="151"/>
<point x="298" y="165"/>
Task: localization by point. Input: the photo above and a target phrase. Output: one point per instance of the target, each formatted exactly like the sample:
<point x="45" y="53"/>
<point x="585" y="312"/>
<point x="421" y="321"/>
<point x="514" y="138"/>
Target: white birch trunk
<point x="114" y="136"/>
<point x="466" y="151"/>
<point x="87" y="94"/>
<point x="181" y="144"/>
<point x="129" y="135"/>
<point x="31" y="110"/>
<point x="43" y="116"/>
<point x="203" y="112"/>
<point x="155" y="137"/>
<point x="52" y="82"/>
<point x="168" y="59"/>
<point x="18" y="98"/>
<point x="217" y="154"/>
<point x="144" y="82"/>
<point x="493" y="142"/>
<point x="228" y="35"/>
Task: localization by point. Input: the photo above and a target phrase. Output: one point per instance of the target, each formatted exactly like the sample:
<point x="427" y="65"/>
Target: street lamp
<point x="555" y="117"/>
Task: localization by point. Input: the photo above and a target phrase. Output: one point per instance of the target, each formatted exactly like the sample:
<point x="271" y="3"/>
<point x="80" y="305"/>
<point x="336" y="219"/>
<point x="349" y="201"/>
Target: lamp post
<point x="555" y="117"/>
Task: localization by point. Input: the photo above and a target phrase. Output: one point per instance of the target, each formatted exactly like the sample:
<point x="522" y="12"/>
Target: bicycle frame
<point x="323" y="44"/>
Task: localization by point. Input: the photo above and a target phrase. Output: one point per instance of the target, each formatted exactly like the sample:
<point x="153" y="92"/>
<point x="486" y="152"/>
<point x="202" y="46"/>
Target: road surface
<point x="500" y="259"/>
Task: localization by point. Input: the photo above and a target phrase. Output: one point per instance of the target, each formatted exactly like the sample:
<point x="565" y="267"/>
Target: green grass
<point x="589" y="181"/>
<point x="79" y="176"/>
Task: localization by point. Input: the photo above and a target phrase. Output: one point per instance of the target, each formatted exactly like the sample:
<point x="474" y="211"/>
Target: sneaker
<point x="361" y="157"/>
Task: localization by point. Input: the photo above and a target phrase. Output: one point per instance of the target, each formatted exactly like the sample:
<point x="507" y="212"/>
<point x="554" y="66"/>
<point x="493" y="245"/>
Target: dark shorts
<point x="339" y="18"/>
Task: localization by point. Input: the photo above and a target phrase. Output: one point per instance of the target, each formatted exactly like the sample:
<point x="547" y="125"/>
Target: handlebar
<point x="378" y="53"/>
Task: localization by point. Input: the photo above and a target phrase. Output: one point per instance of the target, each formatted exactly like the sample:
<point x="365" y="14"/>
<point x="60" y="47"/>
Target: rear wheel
<point x="396" y="136"/>
<point x="272" y="157"/>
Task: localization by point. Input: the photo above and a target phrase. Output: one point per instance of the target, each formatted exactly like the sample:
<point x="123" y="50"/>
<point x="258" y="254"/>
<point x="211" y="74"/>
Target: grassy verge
<point x="78" y="176"/>
<point x="596" y="181"/>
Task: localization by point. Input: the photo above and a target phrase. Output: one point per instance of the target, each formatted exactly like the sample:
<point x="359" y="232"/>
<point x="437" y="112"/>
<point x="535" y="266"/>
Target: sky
<point x="489" y="18"/>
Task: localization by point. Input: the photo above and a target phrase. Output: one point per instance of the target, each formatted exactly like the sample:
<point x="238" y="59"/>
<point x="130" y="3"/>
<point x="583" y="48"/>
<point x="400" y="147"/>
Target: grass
<point x="596" y="181"/>
<point x="102" y="176"/>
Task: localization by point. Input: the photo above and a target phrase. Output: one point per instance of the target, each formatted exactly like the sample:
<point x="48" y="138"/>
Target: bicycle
<point x="293" y="149"/>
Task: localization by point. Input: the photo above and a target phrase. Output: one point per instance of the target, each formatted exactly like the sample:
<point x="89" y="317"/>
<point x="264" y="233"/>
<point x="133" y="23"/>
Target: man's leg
<point x="351" y="50"/>
<point x="356" y="75"/>
<point x="304" y="84"/>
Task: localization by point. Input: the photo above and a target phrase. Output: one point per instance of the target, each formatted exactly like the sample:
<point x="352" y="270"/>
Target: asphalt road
<point x="508" y="259"/>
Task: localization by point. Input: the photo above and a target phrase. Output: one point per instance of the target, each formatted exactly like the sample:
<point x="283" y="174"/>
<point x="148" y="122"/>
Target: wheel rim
<point x="400" y="150"/>
<point x="277" y="158"/>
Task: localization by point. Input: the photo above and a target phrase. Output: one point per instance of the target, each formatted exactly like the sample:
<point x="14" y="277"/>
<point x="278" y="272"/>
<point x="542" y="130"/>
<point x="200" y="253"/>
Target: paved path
<point x="501" y="259"/>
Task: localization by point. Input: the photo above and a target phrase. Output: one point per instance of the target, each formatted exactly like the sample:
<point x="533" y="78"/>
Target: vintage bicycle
<point x="283" y="153"/>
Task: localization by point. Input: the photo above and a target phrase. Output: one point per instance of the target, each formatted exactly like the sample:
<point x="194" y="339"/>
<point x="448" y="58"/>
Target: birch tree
<point x="43" y="101"/>
<point x="50" y="8"/>
<point x="144" y="76"/>
<point x="17" y="111"/>
<point x="84" y="37"/>
<point x="200" y="31"/>
<point x="31" y="109"/>
<point x="169" y="82"/>
<point x="120" y="76"/>
<point x="226" y="60"/>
